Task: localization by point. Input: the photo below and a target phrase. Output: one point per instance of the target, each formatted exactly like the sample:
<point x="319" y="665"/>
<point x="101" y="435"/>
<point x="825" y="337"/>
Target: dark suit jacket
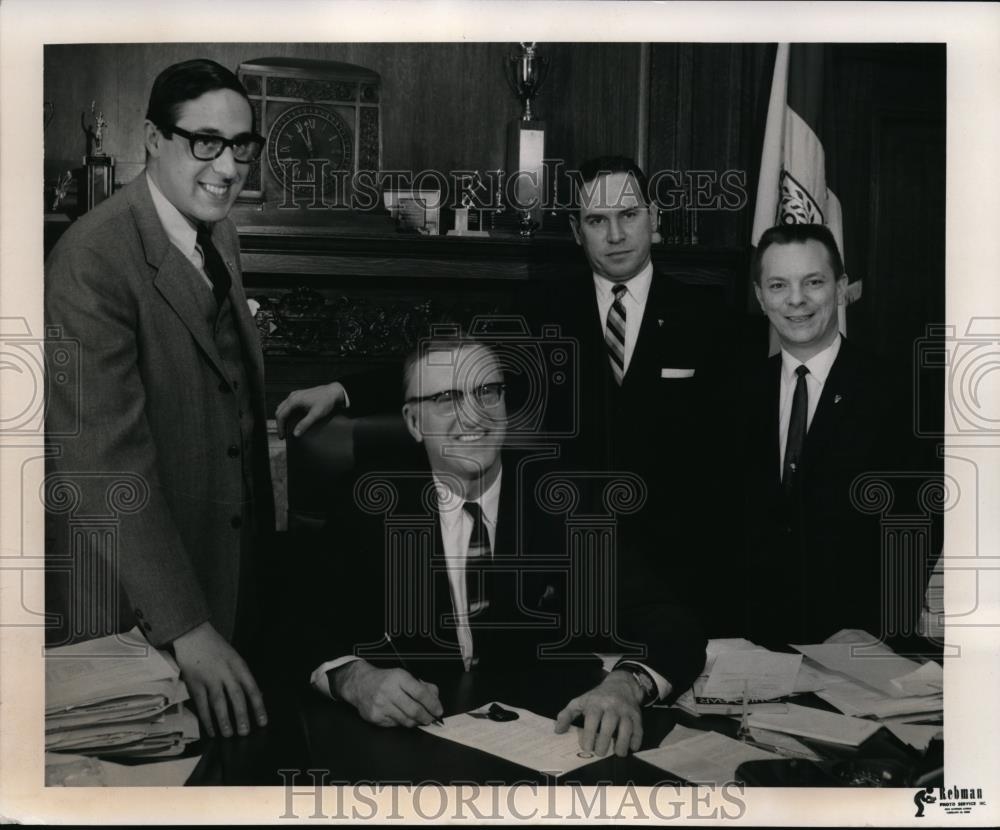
<point x="409" y="596"/>
<point x="659" y="425"/>
<point x="149" y="436"/>
<point x="665" y="430"/>
<point x="812" y="565"/>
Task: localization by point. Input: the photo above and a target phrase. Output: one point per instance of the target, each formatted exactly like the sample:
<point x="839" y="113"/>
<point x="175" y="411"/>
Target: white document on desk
<point x="873" y="667"/>
<point x="706" y="758"/>
<point x="764" y="675"/>
<point x="530" y="740"/>
<point x="863" y="701"/>
<point x="81" y="771"/>
<point x="817" y="724"/>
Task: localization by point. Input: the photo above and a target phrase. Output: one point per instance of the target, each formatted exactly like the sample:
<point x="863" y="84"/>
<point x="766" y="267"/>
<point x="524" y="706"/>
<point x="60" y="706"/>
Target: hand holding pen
<point x="387" y="697"/>
<point x="420" y="699"/>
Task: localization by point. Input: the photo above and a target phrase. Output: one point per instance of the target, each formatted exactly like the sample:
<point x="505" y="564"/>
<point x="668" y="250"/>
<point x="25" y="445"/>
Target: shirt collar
<point x="450" y="503"/>
<point x="178" y="229"/>
<point x="819" y="365"/>
<point x="638" y="286"/>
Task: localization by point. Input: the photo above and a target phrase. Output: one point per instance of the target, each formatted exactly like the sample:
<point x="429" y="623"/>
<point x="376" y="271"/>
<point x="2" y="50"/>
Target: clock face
<point x="309" y="145"/>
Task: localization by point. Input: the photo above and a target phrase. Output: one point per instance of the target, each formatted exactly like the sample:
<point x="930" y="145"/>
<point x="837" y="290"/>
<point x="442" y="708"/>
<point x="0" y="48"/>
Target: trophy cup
<point x="526" y="72"/>
<point x="98" y="167"/>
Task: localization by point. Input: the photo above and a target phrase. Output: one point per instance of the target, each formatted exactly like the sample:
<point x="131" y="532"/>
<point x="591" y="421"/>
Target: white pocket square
<point x="676" y="373"/>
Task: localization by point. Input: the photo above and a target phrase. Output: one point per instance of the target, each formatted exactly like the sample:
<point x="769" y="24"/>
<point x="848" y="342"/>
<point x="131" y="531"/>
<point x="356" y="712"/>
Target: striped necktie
<point x="614" y="334"/>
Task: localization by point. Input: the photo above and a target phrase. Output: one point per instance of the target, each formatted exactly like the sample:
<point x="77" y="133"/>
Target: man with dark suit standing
<point x="479" y="604"/>
<point x="170" y="402"/>
<point x="645" y="354"/>
<point x="641" y="398"/>
<point x="820" y="413"/>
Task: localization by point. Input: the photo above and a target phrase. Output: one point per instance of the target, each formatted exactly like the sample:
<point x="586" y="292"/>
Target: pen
<point x="402" y="664"/>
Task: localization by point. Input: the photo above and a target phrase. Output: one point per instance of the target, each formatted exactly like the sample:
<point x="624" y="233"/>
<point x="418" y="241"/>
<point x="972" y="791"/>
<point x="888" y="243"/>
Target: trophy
<point x="98" y="167"/>
<point x="526" y="73"/>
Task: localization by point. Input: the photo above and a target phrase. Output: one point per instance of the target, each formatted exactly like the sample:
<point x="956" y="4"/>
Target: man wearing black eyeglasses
<point x="170" y="403"/>
<point x="454" y="581"/>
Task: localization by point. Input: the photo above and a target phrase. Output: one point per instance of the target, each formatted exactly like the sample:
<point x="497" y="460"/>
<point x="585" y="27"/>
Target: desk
<point x="309" y="732"/>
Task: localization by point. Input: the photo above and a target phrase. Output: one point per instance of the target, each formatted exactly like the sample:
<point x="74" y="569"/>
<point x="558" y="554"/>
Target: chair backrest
<point x="324" y="463"/>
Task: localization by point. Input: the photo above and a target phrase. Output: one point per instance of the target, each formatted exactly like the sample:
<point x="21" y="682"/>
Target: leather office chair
<point x="324" y="463"/>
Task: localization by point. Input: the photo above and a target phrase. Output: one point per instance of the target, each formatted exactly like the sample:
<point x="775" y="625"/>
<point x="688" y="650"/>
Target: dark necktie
<point x="796" y="431"/>
<point x="477" y="560"/>
<point x="215" y="268"/>
<point x="614" y="334"/>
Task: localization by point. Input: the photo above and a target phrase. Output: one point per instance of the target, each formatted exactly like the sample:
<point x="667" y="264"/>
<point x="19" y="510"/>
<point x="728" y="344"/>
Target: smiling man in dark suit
<point x="170" y="402"/>
<point x="821" y="413"/>
<point x="474" y="600"/>
<point x="645" y="371"/>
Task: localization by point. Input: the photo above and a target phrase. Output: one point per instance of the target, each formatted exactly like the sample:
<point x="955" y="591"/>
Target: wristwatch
<point x="650" y="693"/>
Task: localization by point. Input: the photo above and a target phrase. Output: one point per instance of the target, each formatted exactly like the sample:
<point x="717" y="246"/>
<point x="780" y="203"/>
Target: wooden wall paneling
<point x="663" y="95"/>
<point x="715" y="127"/>
<point x="592" y="104"/>
<point x="446" y="105"/>
<point x="871" y="88"/>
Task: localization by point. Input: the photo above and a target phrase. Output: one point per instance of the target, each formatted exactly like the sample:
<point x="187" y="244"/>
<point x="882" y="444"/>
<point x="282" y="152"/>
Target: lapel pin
<point x="659" y="322"/>
<point x="837" y="398"/>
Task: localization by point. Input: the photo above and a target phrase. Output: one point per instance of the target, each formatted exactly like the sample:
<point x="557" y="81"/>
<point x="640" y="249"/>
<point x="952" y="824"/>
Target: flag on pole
<point x="792" y="187"/>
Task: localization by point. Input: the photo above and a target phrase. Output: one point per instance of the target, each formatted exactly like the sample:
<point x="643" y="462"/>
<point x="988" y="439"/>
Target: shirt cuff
<point x="663" y="686"/>
<point x="319" y="680"/>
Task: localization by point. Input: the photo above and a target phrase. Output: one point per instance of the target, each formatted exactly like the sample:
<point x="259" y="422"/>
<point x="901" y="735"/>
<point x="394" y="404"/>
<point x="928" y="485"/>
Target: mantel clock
<point x="322" y="121"/>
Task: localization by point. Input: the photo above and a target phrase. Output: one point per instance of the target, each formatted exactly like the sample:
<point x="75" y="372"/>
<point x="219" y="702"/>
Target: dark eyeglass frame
<point x="234" y="142"/>
<point x="457" y="396"/>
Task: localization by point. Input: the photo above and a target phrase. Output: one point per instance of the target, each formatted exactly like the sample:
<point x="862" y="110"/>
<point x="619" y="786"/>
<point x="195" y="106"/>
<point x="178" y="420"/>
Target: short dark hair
<point x="184" y="82"/>
<point x="786" y="235"/>
<point x="607" y="165"/>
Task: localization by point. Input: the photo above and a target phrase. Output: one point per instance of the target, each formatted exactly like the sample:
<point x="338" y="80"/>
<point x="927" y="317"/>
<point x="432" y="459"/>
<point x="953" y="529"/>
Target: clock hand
<point x="305" y="133"/>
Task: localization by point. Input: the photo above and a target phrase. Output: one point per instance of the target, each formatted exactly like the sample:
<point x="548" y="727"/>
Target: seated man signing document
<point x="463" y="600"/>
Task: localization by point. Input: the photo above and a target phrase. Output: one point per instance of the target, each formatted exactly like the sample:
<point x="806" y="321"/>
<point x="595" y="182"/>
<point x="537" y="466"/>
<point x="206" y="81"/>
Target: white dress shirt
<point x="819" y="366"/>
<point x="178" y="229"/>
<point x="456" y="528"/>
<point x="634" y="301"/>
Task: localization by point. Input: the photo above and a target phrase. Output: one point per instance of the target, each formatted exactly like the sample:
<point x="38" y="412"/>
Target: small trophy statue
<point x="99" y="168"/>
<point x="470" y="187"/>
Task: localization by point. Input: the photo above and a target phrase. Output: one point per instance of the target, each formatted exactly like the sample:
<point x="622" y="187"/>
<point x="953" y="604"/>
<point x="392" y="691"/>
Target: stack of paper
<point x="872" y="681"/>
<point x="736" y="668"/>
<point x="871" y="685"/>
<point x="865" y="680"/>
<point x="115" y="696"/>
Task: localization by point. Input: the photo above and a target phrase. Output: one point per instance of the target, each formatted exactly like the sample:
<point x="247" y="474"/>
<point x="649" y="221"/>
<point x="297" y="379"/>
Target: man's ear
<point x="574" y="226"/>
<point x="152" y="138"/>
<point x="760" y="298"/>
<point x="842" y="283"/>
<point x="654" y="222"/>
<point x="410" y="418"/>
